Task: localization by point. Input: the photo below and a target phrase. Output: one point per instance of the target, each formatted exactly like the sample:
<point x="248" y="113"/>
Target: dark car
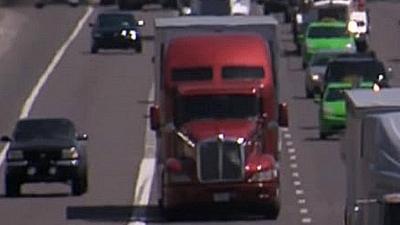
<point x="45" y="150"/>
<point x="116" y="30"/>
<point x="357" y="68"/>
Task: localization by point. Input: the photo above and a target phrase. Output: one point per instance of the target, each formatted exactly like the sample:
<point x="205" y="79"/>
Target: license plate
<point x="222" y="197"/>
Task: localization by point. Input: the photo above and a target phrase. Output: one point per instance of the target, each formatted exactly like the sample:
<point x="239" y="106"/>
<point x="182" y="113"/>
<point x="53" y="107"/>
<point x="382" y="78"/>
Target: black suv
<point x="45" y="150"/>
<point x="357" y="67"/>
<point x="116" y="30"/>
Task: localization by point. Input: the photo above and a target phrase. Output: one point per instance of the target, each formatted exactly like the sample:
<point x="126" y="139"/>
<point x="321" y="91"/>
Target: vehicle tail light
<point x="174" y="166"/>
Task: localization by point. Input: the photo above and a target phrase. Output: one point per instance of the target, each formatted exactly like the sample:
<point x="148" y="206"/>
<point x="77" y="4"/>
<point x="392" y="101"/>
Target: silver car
<point x="315" y="72"/>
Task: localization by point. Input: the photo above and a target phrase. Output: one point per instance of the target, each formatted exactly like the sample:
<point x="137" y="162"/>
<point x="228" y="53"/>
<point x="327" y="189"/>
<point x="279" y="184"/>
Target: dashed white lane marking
<point x="303" y="211"/>
<point x="50" y="68"/>
<point x="147" y="167"/>
<point x="301" y="201"/>
<point x="297" y="183"/>
<point x="287" y="136"/>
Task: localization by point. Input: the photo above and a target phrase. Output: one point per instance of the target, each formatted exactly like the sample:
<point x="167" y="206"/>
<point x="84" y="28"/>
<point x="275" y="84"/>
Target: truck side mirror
<point x="82" y="137"/>
<point x="154" y="118"/>
<point x="283" y="115"/>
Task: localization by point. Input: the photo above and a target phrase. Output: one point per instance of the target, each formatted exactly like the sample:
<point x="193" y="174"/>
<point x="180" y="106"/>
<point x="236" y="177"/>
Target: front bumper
<point x="232" y="194"/>
<point x="117" y="42"/>
<point x="56" y="171"/>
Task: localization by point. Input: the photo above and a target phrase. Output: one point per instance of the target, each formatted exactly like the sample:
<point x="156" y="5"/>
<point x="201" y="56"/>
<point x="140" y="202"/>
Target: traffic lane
<point x="320" y="169"/>
<point x="385" y="34"/>
<point x="104" y="94"/>
<point x="28" y="39"/>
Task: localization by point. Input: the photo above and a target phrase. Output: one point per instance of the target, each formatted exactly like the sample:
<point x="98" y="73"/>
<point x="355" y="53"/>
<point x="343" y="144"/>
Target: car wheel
<point x="94" y="49"/>
<point x="309" y="94"/>
<point x="138" y="49"/>
<point x="74" y="4"/>
<point x="79" y="182"/>
<point x="322" y="135"/>
<point x="39" y="5"/>
<point x="13" y="188"/>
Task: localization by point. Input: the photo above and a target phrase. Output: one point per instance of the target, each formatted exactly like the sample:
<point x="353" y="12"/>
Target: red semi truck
<point x="217" y="120"/>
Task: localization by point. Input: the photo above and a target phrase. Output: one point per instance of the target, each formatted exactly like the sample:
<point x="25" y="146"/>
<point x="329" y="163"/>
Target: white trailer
<point x="215" y="7"/>
<point x="371" y="152"/>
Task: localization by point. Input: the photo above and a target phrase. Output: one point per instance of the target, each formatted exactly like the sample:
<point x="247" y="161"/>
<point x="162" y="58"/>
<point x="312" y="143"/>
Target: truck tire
<point x="322" y="135"/>
<point x="138" y="49"/>
<point x="39" y="5"/>
<point x="125" y="5"/>
<point x="12" y="187"/>
<point x="94" y="48"/>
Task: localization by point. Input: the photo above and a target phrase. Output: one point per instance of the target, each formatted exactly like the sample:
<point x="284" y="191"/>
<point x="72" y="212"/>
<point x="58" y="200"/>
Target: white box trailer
<point x="167" y="29"/>
<point x="371" y="151"/>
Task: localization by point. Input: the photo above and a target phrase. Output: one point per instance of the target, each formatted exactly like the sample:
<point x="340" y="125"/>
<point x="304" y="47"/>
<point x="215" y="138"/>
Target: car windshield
<point x="335" y="94"/>
<point x="321" y="59"/>
<point x="116" y="20"/>
<point x="215" y="106"/>
<point x="27" y="130"/>
<point x="348" y="71"/>
<point x="327" y="32"/>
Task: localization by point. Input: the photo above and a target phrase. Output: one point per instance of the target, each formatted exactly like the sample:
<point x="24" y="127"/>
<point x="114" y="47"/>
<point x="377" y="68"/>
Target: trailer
<point x="371" y="152"/>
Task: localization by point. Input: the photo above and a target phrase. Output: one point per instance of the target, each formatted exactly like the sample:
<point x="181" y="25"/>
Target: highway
<point x="106" y="95"/>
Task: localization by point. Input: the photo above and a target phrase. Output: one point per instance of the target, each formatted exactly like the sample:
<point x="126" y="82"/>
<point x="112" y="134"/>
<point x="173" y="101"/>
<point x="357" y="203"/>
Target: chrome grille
<point x="220" y="160"/>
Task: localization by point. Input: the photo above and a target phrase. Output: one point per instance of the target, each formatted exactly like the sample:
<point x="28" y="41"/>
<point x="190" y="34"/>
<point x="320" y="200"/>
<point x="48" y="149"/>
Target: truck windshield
<point x="327" y="32"/>
<point x="190" y="108"/>
<point x="363" y="70"/>
<point x="242" y="72"/>
<point x="116" y="20"/>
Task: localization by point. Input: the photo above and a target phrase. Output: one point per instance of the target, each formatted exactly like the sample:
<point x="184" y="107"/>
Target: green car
<point x="332" y="113"/>
<point x="327" y="35"/>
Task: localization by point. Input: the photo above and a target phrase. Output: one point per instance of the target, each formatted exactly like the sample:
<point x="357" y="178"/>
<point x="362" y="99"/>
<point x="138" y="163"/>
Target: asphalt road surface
<point x="106" y="96"/>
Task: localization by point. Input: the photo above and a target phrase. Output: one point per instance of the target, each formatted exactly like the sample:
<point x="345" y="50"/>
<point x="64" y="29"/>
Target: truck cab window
<point x="192" y="74"/>
<point x="242" y="72"/>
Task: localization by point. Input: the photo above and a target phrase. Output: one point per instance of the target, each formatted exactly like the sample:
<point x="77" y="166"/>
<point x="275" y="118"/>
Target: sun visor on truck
<point x="381" y="146"/>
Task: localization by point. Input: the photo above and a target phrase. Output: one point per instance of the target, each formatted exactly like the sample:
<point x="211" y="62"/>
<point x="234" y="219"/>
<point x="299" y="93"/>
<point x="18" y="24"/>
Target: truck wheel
<point x="13" y="188"/>
<point x="273" y="211"/>
<point x="309" y="94"/>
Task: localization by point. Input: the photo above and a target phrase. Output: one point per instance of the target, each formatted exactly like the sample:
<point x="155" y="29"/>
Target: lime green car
<point x="327" y="35"/>
<point x="332" y="113"/>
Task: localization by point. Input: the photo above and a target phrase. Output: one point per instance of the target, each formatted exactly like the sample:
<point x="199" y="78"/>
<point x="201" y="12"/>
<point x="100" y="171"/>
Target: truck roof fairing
<point x="218" y="49"/>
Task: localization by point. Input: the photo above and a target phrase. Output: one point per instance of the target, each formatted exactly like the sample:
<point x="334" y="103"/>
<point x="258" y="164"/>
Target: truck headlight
<point x="265" y="175"/>
<point x="15" y="155"/>
<point x="69" y="153"/>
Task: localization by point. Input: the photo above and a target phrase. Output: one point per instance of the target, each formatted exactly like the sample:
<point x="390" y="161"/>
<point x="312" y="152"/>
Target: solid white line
<point x="50" y="68"/>
<point x="147" y="167"/>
